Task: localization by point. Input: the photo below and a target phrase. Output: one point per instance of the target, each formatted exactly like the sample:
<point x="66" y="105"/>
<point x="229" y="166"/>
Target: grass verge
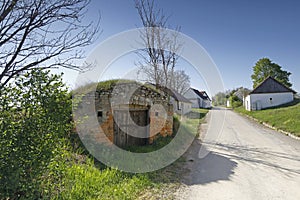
<point x="75" y="175"/>
<point x="194" y="119"/>
<point x="285" y="117"/>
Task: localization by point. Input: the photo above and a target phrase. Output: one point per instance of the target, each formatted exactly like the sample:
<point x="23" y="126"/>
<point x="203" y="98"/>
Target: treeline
<point x="234" y="97"/>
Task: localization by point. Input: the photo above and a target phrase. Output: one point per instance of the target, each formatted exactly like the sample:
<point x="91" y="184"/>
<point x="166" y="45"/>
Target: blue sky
<point x="235" y="33"/>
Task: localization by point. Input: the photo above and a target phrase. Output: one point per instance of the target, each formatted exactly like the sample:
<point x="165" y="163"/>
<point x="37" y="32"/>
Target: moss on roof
<point x="108" y="85"/>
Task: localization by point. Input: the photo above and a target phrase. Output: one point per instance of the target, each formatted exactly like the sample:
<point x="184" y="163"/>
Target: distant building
<point x="240" y="93"/>
<point x="228" y="104"/>
<point x="269" y="93"/>
<point x="181" y="105"/>
<point x="198" y="99"/>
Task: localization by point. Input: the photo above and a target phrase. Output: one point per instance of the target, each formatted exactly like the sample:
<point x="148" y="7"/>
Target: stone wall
<point x="134" y="96"/>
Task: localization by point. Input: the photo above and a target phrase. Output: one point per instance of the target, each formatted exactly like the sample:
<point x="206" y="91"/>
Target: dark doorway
<point x="127" y="125"/>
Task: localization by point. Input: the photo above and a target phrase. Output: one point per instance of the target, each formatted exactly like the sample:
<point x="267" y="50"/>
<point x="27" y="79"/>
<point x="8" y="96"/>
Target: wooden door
<point x="120" y="122"/>
<point x="127" y="125"/>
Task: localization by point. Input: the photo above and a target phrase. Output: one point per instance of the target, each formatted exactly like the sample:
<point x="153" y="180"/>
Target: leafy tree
<point x="265" y="68"/>
<point x="42" y="33"/>
<point x="34" y="121"/>
<point x="220" y="98"/>
<point x="235" y="101"/>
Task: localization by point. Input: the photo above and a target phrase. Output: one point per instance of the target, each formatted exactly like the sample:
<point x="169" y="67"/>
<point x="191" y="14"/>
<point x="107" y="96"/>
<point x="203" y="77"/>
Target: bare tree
<point x="161" y="49"/>
<point x="42" y="34"/>
<point x="180" y="81"/>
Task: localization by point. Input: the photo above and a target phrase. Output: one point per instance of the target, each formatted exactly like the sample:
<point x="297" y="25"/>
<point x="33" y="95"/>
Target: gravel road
<point x="240" y="159"/>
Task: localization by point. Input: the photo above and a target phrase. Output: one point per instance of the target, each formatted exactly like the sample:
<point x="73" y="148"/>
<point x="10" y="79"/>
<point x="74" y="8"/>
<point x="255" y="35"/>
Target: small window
<point x="156" y="114"/>
<point x="100" y="114"/>
<point x="271" y="99"/>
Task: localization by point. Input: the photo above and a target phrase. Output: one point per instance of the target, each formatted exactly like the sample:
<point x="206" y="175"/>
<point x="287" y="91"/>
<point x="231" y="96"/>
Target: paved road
<point x="244" y="161"/>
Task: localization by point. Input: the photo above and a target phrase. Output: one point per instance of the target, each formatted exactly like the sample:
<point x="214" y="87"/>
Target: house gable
<point x="205" y="96"/>
<point x="198" y="93"/>
<point x="174" y="94"/>
<point x="270" y="93"/>
<point x="198" y="99"/>
<point x="191" y="94"/>
<point x="271" y="85"/>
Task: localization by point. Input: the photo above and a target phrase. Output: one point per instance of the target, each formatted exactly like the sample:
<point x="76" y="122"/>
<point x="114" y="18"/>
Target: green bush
<point x="235" y="101"/>
<point x="34" y="120"/>
<point x="40" y="158"/>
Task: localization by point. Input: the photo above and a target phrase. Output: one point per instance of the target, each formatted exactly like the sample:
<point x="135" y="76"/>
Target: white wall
<point x="206" y="104"/>
<point x="181" y="107"/>
<point x="247" y="103"/>
<point x="266" y="100"/>
<point x="228" y="104"/>
<point x="186" y="107"/>
<point x="194" y="98"/>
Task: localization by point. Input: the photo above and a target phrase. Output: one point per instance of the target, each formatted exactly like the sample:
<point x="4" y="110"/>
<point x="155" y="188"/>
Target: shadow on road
<point x="258" y="156"/>
<point x="212" y="168"/>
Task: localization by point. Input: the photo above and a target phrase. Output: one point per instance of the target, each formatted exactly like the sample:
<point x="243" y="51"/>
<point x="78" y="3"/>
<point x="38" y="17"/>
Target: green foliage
<point x="34" y="118"/>
<point x="85" y="181"/>
<point x="158" y="143"/>
<point x="195" y="118"/>
<point x="286" y="117"/>
<point x="220" y="99"/>
<point x="37" y="160"/>
<point x="176" y="124"/>
<point x="108" y="85"/>
<point x="265" y="68"/>
<point x="235" y="101"/>
<point x="42" y="159"/>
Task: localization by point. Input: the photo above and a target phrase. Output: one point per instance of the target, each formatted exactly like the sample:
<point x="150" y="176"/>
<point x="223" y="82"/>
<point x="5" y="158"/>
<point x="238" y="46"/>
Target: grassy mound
<point x="285" y="117"/>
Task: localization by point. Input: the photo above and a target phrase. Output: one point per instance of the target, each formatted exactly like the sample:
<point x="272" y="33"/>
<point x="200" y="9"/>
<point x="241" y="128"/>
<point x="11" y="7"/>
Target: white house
<point x="181" y="105"/>
<point x="269" y="93"/>
<point x="206" y="103"/>
<point x="198" y="99"/>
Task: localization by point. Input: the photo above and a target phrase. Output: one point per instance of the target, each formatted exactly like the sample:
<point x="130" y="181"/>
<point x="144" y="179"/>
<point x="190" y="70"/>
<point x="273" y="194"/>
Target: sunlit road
<point x="245" y="161"/>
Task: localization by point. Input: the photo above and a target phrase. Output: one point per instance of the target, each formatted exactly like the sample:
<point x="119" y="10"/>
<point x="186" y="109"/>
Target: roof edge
<point x="270" y="77"/>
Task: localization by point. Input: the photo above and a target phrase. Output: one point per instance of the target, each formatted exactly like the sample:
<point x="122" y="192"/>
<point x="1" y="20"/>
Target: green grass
<point x="166" y="181"/>
<point x="76" y="176"/>
<point x="159" y="143"/>
<point x="84" y="180"/>
<point x="108" y="85"/>
<point x="194" y="118"/>
<point x="190" y="122"/>
<point x="286" y="117"/>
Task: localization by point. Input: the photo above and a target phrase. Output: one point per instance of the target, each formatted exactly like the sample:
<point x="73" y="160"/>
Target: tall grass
<point x="70" y="177"/>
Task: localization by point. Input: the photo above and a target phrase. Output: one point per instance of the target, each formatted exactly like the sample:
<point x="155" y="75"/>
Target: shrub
<point x="34" y="120"/>
<point x="235" y="101"/>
